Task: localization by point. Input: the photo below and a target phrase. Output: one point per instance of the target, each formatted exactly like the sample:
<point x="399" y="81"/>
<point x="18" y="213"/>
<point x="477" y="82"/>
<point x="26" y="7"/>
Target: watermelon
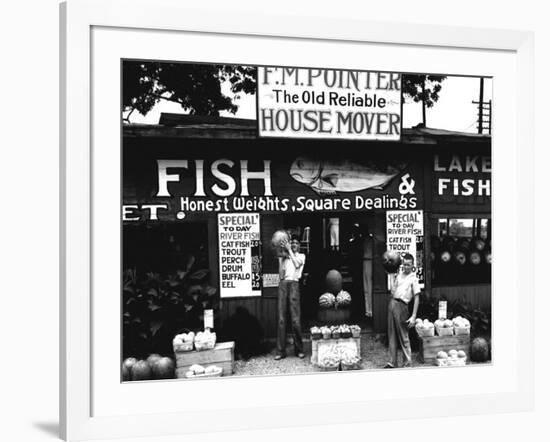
<point x="334" y="281"/>
<point x="343" y="298"/>
<point x="163" y="368"/>
<point x="127" y="368"/>
<point x="277" y="240"/>
<point x="391" y="261"/>
<point x="327" y="300"/>
<point x="141" y="371"/>
<point x="479" y="351"/>
<point x="152" y="359"/>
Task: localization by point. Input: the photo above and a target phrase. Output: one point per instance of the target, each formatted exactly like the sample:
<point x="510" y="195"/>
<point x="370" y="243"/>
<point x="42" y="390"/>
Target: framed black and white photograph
<point x="262" y="216"/>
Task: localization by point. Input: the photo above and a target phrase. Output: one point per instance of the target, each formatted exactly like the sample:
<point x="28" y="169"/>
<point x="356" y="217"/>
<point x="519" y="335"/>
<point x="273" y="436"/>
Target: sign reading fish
<point x="329" y="177"/>
<point x="329" y="103"/>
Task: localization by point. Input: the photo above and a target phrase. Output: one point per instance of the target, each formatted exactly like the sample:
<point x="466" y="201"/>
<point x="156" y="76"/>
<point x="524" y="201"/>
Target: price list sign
<point x="239" y="252"/>
<point x="405" y="234"/>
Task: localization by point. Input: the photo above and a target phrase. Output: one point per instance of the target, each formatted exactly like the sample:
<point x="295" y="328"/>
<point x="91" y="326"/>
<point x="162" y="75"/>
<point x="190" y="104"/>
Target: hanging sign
<point x="239" y="254"/>
<point x="328" y="103"/>
<point x="405" y="234"/>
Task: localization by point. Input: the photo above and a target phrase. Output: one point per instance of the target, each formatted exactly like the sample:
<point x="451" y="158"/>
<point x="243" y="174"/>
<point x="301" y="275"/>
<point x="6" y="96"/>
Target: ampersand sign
<point x="407" y="185"/>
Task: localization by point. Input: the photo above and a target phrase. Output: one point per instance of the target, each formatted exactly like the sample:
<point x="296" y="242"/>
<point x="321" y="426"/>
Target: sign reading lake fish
<point x="329" y="103"/>
<point x="239" y="245"/>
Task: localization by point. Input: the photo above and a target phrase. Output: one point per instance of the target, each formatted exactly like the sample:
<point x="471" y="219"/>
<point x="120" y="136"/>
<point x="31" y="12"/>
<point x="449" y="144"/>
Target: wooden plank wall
<point x="479" y="294"/>
<point x="264" y="308"/>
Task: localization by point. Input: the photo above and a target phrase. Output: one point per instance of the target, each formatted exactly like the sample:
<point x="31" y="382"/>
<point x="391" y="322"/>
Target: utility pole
<point x="480" y="108"/>
<point x="484" y="111"/>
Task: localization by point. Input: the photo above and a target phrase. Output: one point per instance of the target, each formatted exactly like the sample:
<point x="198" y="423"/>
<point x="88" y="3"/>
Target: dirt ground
<point x="374" y="355"/>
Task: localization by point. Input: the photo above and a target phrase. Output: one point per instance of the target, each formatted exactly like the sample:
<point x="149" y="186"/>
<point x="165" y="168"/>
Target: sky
<point x="453" y="111"/>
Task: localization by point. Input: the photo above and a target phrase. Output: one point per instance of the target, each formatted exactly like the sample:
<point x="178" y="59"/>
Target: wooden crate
<point x="221" y="355"/>
<point x="431" y="345"/>
<point x="316" y="343"/>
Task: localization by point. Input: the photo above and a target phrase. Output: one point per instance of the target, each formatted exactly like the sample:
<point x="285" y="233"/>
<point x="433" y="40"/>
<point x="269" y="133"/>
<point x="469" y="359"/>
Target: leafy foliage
<point x="157" y="307"/>
<point x="423" y="88"/>
<point x="196" y="87"/>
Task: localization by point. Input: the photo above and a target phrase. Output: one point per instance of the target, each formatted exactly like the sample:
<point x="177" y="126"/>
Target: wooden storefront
<point x="201" y="144"/>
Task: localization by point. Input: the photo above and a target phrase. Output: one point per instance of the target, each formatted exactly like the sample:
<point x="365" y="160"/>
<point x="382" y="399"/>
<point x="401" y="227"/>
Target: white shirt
<point x="289" y="271"/>
<point x="405" y="287"/>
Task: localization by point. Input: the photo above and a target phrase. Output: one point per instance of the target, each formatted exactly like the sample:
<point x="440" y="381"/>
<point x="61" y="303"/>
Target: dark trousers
<point x="289" y="294"/>
<point x="398" y="330"/>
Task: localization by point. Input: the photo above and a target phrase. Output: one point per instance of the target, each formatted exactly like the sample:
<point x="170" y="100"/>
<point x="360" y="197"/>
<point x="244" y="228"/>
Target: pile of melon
<point x="328" y="300"/>
<point x="154" y="367"/>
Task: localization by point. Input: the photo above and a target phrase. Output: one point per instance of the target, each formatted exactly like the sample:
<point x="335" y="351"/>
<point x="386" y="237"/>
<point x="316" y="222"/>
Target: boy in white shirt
<point x="404" y="287"/>
<point x="290" y="272"/>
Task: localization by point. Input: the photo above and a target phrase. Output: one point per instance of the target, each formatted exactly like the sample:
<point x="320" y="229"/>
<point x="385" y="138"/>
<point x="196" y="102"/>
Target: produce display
<point x="349" y="358"/>
<point x="459" y="259"/>
<point x="183" y="341"/>
<point x="333" y="281"/>
<point x="424" y="327"/>
<point x="326" y="332"/>
<point x="343" y="298"/>
<point x="154" y="367"/>
<point x="355" y="331"/>
<point x="316" y="333"/>
<point x="451" y="358"/>
<point x="479" y="351"/>
<point x="141" y="371"/>
<point x="444" y="327"/>
<point x="163" y="368"/>
<point x="335" y="331"/>
<point x="205" y="340"/>
<point x="199" y="371"/>
<point x="127" y="368"/>
<point x="330" y="358"/>
<point x="327" y="300"/>
<point x="461" y="326"/>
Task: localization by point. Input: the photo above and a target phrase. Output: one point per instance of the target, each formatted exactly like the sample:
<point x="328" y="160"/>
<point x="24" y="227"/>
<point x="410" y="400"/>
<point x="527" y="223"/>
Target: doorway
<point x="342" y="241"/>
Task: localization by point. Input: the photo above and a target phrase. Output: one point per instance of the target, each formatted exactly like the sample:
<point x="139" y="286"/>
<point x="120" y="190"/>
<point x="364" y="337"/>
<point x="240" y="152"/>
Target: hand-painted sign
<point x="329" y="103"/>
<point x="462" y="179"/>
<point x="239" y="254"/>
<point x="176" y="190"/>
<point x="405" y="234"/>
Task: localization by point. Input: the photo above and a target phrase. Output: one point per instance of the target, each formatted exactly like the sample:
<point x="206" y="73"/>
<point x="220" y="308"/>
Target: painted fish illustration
<point x="327" y="177"/>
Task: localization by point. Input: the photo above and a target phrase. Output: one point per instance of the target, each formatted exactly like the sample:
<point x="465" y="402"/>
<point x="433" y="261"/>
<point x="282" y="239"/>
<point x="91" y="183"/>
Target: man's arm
<point x="393" y="282"/>
<point x="296" y="260"/>
<point x="416" y="290"/>
<point x="281" y="269"/>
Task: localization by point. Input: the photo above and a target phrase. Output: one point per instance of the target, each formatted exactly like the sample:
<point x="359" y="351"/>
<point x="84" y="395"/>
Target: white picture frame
<point x="82" y="370"/>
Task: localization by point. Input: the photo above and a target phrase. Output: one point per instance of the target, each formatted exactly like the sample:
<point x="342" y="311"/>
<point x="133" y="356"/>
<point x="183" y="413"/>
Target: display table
<point x="333" y="316"/>
<point x="221" y="355"/>
<point x="318" y="343"/>
<point x="431" y="345"/>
